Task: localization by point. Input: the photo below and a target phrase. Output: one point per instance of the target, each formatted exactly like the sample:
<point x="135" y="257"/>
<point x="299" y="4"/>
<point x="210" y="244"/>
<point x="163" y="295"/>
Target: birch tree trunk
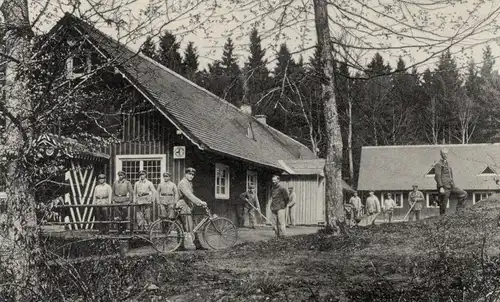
<point x="349" y="140"/>
<point x="333" y="167"/>
<point x="18" y="239"/>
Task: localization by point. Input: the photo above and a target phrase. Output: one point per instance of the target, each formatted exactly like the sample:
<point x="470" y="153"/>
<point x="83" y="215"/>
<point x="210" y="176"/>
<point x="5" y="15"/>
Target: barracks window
<point x="221" y="181"/>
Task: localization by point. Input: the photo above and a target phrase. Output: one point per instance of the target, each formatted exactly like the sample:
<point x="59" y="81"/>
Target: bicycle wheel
<point x="166" y="235"/>
<point x="220" y="233"/>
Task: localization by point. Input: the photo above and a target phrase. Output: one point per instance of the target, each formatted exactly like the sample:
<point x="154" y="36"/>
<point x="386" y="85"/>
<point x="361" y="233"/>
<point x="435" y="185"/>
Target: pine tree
<point x="169" y="54"/>
<point x="232" y="74"/>
<point x="448" y="88"/>
<point x="486" y="71"/>
<point x="256" y="72"/>
<point x="190" y="63"/>
<point x="376" y="102"/>
<point x="148" y="48"/>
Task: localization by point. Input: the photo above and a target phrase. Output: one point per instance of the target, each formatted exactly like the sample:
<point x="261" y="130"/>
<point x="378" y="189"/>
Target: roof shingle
<point x="209" y="121"/>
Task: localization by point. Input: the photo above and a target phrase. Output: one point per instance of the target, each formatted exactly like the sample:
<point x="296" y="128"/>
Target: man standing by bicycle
<point x="187" y="199"/>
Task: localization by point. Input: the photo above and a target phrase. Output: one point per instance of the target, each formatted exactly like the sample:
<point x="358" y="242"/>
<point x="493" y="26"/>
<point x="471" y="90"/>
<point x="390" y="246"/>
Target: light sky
<point x="371" y="23"/>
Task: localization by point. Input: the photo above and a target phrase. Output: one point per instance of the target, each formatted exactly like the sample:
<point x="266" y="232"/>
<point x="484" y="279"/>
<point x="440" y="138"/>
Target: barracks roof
<point x="475" y="166"/>
<point x="207" y="120"/>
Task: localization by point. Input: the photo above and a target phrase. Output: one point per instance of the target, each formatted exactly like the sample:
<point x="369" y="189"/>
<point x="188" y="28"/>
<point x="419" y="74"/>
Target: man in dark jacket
<point x="443" y="175"/>
<point x="279" y="201"/>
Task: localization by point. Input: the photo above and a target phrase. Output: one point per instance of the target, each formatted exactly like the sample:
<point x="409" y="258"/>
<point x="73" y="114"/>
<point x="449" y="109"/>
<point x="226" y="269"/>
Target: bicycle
<point x="167" y="234"/>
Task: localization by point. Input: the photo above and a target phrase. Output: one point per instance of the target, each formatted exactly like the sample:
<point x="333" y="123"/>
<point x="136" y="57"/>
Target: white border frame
<point x="427" y="199"/>
<point x="161" y="157"/>
<point x="480" y="192"/>
<point x="228" y="183"/>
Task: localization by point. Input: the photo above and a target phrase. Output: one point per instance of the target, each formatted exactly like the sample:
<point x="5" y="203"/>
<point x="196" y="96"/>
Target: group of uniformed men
<point x="443" y="175"/>
<point x="143" y="194"/>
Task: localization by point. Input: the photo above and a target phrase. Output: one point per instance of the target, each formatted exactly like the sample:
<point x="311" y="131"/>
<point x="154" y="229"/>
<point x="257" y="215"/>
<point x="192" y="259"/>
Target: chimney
<point x="247" y="109"/>
<point x="261" y="118"/>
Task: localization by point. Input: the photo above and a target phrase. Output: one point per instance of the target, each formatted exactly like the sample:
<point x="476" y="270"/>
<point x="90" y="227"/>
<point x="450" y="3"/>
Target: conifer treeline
<point x="378" y="106"/>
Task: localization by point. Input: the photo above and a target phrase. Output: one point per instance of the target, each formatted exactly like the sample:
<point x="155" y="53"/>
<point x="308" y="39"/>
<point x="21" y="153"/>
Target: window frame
<point x="427" y="200"/>
<point x="227" y="183"/>
<point x="383" y="195"/>
<point x="140" y="157"/>
<point x="488" y="174"/>
<point x="251" y="173"/>
<point x="489" y="193"/>
<point x="70" y="61"/>
<point x="428" y="174"/>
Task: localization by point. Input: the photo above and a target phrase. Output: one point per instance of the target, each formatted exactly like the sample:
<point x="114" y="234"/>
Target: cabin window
<point x="397" y="196"/>
<point x="252" y="180"/>
<point x="431" y="172"/>
<point x="221" y="181"/>
<point x="78" y="65"/>
<point x="153" y="164"/>
<point x="488" y="172"/>
<point x="480" y="195"/>
<point x="432" y="200"/>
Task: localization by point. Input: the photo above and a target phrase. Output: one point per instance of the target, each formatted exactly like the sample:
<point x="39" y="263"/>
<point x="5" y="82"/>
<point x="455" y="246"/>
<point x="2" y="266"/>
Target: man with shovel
<point x="416" y="203"/>
<point x="252" y="204"/>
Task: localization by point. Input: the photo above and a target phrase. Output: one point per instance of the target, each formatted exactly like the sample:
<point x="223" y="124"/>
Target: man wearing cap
<point x="416" y="199"/>
<point x="144" y="194"/>
<point x="279" y="200"/>
<point x="356" y="204"/>
<point x="252" y="203"/>
<point x="187" y="199"/>
<point x="443" y="175"/>
<point x="102" y="196"/>
<point x="372" y="204"/>
<point x="122" y="193"/>
<point x="167" y="196"/>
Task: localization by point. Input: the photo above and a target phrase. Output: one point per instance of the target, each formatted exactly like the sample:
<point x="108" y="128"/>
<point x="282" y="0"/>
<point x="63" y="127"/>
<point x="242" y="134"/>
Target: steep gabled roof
<point x="398" y="167"/>
<point x="207" y="120"/>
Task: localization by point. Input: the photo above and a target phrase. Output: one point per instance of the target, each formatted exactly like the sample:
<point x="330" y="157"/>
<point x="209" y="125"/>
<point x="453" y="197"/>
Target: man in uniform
<point x="372" y="205"/>
<point x="122" y="193"/>
<point x="290" y="207"/>
<point x="279" y="201"/>
<point x="168" y="196"/>
<point x="443" y="175"/>
<point x="144" y="194"/>
<point x="356" y="204"/>
<point x="102" y="196"/>
<point x="416" y="202"/>
<point x="187" y="199"/>
<point x="252" y="203"/>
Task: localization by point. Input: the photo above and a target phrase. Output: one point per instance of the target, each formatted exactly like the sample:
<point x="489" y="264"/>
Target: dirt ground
<point x="449" y="258"/>
<point x="266" y="233"/>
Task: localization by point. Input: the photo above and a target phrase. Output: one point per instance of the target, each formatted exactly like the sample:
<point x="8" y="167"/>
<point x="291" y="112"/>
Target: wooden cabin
<point x="174" y="124"/>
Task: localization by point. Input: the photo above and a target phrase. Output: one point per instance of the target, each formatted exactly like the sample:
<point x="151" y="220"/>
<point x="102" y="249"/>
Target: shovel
<point x="411" y="208"/>
<point x="260" y="213"/>
<point x="368" y="220"/>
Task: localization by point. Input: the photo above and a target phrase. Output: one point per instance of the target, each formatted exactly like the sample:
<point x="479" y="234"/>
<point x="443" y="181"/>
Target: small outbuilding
<point x="307" y="178"/>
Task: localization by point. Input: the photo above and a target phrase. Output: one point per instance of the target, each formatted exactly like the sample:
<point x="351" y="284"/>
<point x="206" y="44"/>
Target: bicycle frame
<point x="208" y="216"/>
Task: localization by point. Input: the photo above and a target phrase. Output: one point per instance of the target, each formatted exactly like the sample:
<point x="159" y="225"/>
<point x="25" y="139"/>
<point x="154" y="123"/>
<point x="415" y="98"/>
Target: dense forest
<point x="378" y="105"/>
